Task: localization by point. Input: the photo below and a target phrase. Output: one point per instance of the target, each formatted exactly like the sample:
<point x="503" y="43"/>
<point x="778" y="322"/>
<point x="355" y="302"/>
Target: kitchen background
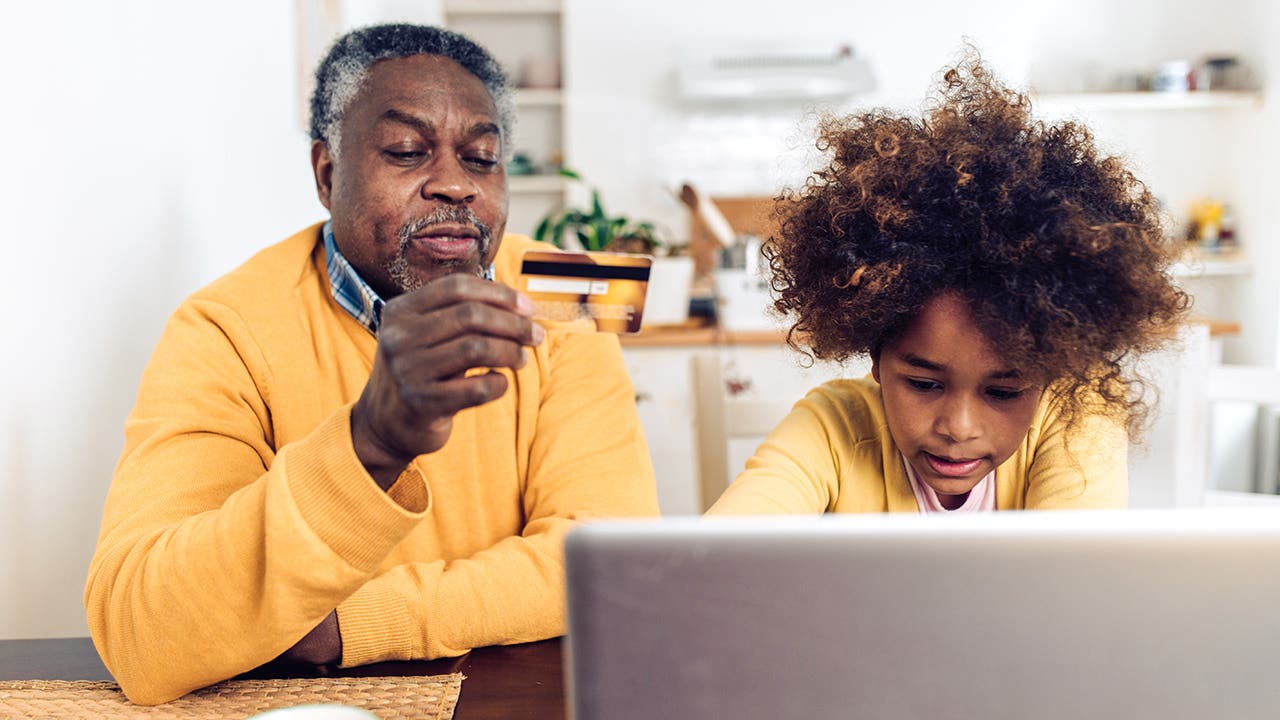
<point x="152" y="146"/>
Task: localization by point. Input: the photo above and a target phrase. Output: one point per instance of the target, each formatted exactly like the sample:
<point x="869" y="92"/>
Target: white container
<point x="1172" y="76"/>
<point x="667" y="297"/>
<point x="744" y="301"/>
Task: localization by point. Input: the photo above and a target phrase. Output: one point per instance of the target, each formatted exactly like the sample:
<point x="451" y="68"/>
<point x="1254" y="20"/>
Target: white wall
<point x="149" y="146"/>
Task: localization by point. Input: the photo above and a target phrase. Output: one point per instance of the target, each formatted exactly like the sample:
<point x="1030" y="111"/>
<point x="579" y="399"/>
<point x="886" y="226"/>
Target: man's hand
<point x="321" y="646"/>
<point x="429" y="338"/>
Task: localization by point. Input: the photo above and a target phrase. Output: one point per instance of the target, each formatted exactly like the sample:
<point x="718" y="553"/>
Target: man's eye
<point x="924" y="385"/>
<point x="404" y="155"/>
<point x="483" y="162"/>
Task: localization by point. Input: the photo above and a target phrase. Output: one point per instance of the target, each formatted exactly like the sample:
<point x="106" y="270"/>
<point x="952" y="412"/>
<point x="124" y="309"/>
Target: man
<point x="357" y="447"/>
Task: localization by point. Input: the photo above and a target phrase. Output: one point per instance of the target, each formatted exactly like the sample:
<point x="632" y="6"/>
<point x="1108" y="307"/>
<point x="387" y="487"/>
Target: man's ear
<point x="322" y="169"/>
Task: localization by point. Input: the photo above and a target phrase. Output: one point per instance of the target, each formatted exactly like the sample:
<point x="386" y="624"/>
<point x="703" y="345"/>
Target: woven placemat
<point x="390" y="698"/>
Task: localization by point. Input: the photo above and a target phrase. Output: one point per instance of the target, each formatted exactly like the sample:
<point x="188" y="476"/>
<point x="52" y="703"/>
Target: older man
<point x="358" y="446"/>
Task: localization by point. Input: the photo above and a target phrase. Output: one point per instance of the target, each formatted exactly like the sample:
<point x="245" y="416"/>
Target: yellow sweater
<point x="239" y="515"/>
<point x="834" y="453"/>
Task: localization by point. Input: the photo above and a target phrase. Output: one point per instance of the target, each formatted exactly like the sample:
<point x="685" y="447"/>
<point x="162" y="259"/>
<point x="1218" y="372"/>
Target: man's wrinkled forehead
<point x="406" y="90"/>
<point x="407" y="118"/>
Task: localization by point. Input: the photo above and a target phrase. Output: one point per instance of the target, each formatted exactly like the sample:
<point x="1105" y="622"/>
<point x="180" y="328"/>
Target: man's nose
<point x="448" y="181"/>
<point x="960" y="419"/>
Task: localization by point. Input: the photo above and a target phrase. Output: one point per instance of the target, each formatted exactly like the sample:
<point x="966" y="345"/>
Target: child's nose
<point x="959" y="420"/>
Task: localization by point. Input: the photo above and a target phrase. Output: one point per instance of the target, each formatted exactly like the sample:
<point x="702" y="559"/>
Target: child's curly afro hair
<point x="1058" y="250"/>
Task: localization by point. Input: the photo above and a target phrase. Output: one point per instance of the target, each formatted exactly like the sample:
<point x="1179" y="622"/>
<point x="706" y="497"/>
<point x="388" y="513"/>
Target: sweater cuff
<point x="375" y="626"/>
<point x="410" y="490"/>
<point x="341" y="503"/>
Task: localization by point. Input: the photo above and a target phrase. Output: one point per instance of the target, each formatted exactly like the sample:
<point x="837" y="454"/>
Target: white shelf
<point x="539" y="97"/>
<point x="531" y="184"/>
<point x="1209" y="265"/>
<point x="1232" y="498"/>
<point x="1212" y="100"/>
<point x="501" y="7"/>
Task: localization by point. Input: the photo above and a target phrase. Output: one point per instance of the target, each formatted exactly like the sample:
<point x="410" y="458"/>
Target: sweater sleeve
<point x="205" y="564"/>
<point x="1081" y="467"/>
<point x="794" y="471"/>
<point x="587" y="459"/>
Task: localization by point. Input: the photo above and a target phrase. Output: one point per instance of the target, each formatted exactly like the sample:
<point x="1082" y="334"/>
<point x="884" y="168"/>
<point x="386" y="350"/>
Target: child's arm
<point x="829" y="434"/>
<point x="789" y="473"/>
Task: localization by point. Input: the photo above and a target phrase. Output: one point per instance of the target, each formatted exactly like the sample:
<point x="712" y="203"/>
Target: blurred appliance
<point x="792" y="69"/>
<point x="741" y="277"/>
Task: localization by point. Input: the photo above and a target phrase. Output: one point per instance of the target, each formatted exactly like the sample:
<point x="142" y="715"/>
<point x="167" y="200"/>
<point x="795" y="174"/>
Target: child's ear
<point x="875" y="367"/>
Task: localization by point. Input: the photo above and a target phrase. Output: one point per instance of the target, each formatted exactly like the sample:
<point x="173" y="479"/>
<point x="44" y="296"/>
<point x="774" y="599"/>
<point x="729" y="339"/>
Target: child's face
<point x="955" y="409"/>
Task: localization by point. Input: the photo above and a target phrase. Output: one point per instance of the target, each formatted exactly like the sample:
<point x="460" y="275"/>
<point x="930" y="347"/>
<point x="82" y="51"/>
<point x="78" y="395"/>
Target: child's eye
<point x="1004" y="393"/>
<point x="924" y="385"/>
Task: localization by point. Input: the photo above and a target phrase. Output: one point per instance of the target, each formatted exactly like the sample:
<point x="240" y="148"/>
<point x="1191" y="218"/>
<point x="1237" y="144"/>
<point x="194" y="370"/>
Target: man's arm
<point x="206" y="564"/>
<point x="588" y="459"/>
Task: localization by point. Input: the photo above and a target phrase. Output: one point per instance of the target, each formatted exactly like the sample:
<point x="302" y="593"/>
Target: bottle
<point x="1227" y="229"/>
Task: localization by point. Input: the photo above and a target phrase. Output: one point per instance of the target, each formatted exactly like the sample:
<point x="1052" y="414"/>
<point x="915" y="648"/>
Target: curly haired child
<point x="1000" y="273"/>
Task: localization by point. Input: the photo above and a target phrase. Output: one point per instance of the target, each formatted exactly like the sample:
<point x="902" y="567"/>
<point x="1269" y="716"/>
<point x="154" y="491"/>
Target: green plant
<point x="595" y="229"/>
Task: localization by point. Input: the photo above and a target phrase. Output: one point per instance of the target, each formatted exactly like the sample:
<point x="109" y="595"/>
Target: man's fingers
<point x="461" y="288"/>
<point x="474" y="318"/>
<point x="456" y="356"/>
<point x="446" y="398"/>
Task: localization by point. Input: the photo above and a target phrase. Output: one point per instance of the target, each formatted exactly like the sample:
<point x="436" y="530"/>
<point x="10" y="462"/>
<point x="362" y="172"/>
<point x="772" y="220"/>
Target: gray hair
<point x="346" y="65"/>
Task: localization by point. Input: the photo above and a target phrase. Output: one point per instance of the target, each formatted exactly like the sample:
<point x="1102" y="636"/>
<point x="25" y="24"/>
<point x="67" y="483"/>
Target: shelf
<point x="530" y="184"/>
<point x="501" y="7"/>
<point x="539" y="97"/>
<point x="1234" y="498"/>
<point x="1195" y="265"/>
<point x="1192" y="100"/>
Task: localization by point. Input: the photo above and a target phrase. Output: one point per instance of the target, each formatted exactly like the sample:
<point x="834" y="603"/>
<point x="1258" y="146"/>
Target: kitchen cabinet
<point x="526" y="38"/>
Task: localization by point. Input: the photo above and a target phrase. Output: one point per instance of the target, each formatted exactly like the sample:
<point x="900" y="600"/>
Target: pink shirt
<point x="982" y="498"/>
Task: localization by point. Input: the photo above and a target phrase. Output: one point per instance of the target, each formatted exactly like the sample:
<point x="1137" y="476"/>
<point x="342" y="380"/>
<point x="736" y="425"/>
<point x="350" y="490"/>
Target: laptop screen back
<point x="1169" y="614"/>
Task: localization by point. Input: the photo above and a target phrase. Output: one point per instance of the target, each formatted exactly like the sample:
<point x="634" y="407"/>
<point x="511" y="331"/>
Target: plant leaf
<point x="543" y="231"/>
<point x="557" y="233"/>
<point x="597" y="210"/>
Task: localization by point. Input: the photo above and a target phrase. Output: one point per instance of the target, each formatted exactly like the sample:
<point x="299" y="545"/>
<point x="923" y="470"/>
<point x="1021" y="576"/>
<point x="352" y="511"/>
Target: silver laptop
<point x="1126" y="615"/>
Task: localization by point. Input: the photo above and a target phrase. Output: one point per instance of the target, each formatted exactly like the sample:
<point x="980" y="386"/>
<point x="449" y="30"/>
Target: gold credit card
<point x="598" y="291"/>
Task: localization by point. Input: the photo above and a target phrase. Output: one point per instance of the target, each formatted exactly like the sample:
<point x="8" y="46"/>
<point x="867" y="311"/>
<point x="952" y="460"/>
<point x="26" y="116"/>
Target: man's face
<point x="418" y="189"/>
<point x="955" y="409"/>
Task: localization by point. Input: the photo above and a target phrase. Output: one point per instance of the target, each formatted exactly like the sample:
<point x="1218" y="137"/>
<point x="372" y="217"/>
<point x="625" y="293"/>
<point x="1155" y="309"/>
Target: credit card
<point x="595" y="291"/>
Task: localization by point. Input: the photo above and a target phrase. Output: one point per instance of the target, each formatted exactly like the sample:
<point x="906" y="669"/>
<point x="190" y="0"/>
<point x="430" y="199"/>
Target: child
<point x="1001" y="274"/>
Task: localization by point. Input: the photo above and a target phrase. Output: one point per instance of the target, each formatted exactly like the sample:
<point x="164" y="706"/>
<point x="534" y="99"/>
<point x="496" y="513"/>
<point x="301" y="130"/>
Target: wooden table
<point x="523" y="681"/>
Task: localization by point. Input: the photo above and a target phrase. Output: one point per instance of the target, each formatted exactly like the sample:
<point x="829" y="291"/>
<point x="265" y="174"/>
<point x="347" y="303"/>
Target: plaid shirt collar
<point x="351" y="291"/>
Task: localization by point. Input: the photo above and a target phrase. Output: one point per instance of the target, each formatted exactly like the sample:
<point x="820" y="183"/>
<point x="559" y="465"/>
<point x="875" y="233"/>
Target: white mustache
<point x="447" y="215"/>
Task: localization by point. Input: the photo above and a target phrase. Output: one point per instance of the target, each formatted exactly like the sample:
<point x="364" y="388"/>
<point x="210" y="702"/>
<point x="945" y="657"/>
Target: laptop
<point x="1035" y="615"/>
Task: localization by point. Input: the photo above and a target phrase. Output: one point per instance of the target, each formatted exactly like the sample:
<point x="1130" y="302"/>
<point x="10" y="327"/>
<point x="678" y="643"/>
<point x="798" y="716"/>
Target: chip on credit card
<point x="594" y="290"/>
